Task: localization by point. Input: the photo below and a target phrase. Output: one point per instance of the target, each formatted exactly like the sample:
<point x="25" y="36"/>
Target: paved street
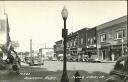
<point x="90" y="67"/>
<point x="51" y="71"/>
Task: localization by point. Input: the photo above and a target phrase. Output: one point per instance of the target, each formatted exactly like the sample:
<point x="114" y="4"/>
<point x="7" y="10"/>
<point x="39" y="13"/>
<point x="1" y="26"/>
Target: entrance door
<point x="103" y="54"/>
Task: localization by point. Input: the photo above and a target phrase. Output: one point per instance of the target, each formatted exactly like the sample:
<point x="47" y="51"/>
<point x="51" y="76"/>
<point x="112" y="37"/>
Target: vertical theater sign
<point x="3" y="34"/>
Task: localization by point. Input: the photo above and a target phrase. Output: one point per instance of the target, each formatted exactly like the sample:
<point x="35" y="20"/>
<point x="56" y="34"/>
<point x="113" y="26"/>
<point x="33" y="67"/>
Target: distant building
<point x="91" y="44"/>
<point x="58" y="49"/>
<point x="76" y="43"/>
<point x="72" y="44"/>
<point x="112" y="38"/>
<point x="46" y="53"/>
<point x="82" y="35"/>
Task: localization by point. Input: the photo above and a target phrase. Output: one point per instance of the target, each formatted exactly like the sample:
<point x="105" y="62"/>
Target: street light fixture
<point x="64" y="14"/>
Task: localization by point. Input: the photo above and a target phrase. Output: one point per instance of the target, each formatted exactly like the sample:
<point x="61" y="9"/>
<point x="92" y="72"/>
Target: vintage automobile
<point x="120" y="71"/>
<point x="36" y="61"/>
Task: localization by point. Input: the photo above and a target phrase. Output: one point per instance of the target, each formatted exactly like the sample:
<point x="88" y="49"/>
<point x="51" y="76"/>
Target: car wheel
<point x="114" y="78"/>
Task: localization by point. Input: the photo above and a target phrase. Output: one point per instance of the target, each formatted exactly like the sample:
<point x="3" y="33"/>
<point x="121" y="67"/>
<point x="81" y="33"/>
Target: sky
<point x="42" y="20"/>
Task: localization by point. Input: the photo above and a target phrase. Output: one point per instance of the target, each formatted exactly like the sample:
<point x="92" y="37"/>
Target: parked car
<point x="120" y="71"/>
<point x="36" y="61"/>
<point x="54" y="59"/>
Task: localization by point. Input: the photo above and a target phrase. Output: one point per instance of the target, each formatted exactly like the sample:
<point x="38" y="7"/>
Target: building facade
<point x="91" y="45"/>
<point x="58" y="49"/>
<point x="82" y="42"/>
<point x="107" y="41"/>
<point x="112" y="39"/>
<point x="72" y="43"/>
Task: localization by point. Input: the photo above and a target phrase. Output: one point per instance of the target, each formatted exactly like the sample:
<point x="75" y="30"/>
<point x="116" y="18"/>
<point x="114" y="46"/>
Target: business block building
<point x="107" y="41"/>
<point x="112" y="38"/>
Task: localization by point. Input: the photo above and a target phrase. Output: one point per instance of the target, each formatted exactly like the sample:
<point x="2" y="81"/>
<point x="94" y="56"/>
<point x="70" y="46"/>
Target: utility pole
<point x="31" y="48"/>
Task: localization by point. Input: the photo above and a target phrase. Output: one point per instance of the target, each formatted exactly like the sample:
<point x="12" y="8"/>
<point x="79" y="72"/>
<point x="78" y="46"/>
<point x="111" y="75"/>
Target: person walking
<point x="113" y="57"/>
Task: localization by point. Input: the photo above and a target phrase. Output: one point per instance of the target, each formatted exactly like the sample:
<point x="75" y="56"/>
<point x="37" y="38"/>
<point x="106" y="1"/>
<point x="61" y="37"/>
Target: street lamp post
<point x="64" y="14"/>
<point x="122" y="44"/>
<point x="127" y="39"/>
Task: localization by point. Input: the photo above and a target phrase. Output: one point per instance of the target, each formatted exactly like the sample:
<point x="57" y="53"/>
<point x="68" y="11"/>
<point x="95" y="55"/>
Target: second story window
<point x="119" y="34"/>
<point x="91" y="41"/>
<point x="94" y="40"/>
<point x="124" y="32"/>
<point x="103" y="37"/>
<point x="110" y="35"/>
<point x="82" y="40"/>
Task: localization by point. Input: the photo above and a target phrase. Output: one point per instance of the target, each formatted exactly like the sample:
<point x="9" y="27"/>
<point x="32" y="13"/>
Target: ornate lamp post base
<point x="64" y="78"/>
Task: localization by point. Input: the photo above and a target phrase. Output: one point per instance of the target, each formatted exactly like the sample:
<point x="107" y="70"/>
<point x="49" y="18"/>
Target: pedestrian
<point x="113" y="57"/>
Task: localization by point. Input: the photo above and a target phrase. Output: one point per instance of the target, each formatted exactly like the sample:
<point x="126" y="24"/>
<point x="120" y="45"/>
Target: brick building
<point x="58" y="49"/>
<point x="112" y="39"/>
<point x="107" y="41"/>
<point x="91" y="45"/>
<point x="72" y="44"/>
<point x="82" y="35"/>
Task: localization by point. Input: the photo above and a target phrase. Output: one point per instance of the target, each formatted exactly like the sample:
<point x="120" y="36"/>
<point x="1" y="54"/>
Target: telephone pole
<point x="31" y="48"/>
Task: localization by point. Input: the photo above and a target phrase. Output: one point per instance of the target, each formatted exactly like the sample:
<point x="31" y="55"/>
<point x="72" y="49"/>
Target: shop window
<point x="103" y="37"/>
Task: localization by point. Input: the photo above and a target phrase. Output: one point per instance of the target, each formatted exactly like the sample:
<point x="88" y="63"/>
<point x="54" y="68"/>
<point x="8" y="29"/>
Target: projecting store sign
<point x="3" y="29"/>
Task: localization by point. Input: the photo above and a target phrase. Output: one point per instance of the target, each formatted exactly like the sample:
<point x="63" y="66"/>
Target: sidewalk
<point x="105" y="61"/>
<point x="6" y="70"/>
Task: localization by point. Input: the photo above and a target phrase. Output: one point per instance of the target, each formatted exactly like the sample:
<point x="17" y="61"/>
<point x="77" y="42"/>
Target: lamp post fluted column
<point x="127" y="39"/>
<point x="64" y="77"/>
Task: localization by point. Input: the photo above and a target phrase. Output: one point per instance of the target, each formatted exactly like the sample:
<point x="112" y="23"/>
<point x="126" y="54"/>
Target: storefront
<point x="118" y="51"/>
<point x="91" y="52"/>
<point x="73" y="51"/>
<point x="112" y="53"/>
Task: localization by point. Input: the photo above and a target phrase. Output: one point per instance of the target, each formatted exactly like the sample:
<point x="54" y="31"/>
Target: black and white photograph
<point x="63" y="41"/>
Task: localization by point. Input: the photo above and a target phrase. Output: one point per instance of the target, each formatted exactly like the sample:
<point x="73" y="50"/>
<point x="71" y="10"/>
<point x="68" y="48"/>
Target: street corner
<point x="4" y="72"/>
